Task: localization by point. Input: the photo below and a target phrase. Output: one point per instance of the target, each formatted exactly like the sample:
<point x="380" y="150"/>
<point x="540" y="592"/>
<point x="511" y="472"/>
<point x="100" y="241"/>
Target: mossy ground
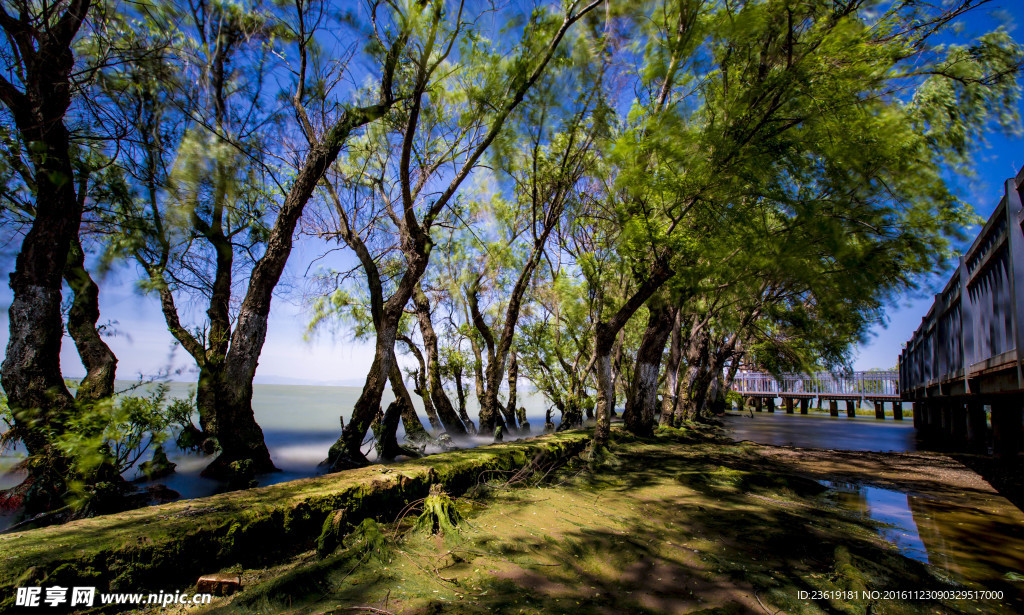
<point x="671" y="524"/>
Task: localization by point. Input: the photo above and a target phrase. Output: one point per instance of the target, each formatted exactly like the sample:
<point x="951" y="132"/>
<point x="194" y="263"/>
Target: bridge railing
<point x="863" y="384"/>
<point x="976" y="324"/>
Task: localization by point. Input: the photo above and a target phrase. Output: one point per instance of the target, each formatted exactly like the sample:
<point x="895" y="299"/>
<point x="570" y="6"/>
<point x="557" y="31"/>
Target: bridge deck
<point x="880" y="386"/>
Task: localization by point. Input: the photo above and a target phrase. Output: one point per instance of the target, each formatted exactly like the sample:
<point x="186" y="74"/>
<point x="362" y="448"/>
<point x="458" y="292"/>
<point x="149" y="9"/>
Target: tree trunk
<point x="30" y="373"/>
<point x="697" y="379"/>
<point x="388" y="445"/>
<point x="451" y="421"/>
<point x="460" y="391"/>
<point x="642" y="399"/>
<point x="345" y="453"/>
<point x="604" y="338"/>
<point x="672" y="371"/>
<point x="414" y="431"/>
<point x="421" y="387"/>
<point x="511" y="414"/>
<point x="99" y="361"/>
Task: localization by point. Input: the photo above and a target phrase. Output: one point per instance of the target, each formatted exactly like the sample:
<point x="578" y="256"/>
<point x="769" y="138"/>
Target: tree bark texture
<point x="447" y="415"/>
<point x="30" y="373"/>
<point x="99" y="361"/>
<point x="421" y="387"/>
<point x="605" y="332"/>
<point x="642" y="400"/>
<point x="671" y="390"/>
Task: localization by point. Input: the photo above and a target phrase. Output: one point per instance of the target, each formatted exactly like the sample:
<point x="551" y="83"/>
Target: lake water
<point x="824" y="431"/>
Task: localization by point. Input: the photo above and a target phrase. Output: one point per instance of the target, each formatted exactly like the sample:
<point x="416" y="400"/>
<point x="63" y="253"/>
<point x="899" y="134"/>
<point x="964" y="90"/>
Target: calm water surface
<point x="824" y="431"/>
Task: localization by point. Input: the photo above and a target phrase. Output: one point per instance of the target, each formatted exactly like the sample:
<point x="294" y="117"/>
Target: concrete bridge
<point x="877" y="387"/>
<point x="968" y="353"/>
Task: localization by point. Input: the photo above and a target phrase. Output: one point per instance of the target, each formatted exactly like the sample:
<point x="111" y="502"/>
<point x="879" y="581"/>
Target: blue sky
<point x="144" y="347"/>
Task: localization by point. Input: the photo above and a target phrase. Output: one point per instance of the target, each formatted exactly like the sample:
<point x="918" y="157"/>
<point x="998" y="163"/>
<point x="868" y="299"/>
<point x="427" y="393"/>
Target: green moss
<point x="163" y="547"/>
<point x="335" y="526"/>
<point x="369" y="538"/>
<point x="439" y="516"/>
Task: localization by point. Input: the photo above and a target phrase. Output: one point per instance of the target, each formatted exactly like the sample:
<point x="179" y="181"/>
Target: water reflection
<point x="970" y="543"/>
<point x="809" y="431"/>
<point x="890" y="508"/>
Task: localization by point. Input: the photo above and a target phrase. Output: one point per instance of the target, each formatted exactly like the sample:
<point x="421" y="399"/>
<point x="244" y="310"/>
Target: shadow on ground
<point x="672" y="524"/>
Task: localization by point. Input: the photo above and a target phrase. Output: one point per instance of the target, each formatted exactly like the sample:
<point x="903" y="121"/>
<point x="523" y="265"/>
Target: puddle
<point x="890" y="508"/>
<point x="982" y="545"/>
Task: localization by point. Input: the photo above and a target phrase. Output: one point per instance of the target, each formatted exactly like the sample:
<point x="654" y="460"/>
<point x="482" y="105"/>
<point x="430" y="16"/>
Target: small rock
<point x="220" y="584"/>
<point x="159" y="466"/>
<point x="499" y="433"/>
<point x="445" y="442"/>
<point x="161" y="494"/>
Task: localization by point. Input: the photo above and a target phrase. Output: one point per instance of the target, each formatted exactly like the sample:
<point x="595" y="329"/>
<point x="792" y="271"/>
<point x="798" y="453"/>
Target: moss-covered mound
<point x="163" y="547"/>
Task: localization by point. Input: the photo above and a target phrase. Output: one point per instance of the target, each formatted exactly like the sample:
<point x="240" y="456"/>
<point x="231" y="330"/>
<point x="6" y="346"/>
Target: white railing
<point x="822" y="384"/>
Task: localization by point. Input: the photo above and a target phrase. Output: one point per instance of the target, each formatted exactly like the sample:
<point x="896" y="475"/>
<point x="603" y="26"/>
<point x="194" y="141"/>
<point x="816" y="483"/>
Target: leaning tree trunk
<point x="605" y="332"/>
<point x="345" y="453"/>
<point x="83" y="316"/>
<point x="642" y="399"/>
<point x="244" y="440"/>
<point x="414" y="431"/>
<point x="421" y="388"/>
<point x="445" y="412"/>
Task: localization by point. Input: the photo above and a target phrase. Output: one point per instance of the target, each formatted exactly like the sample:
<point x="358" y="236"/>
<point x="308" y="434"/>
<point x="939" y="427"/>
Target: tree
<point x="38" y="56"/>
<point x="223" y="210"/>
<point x="489" y="99"/>
<point x="739" y="113"/>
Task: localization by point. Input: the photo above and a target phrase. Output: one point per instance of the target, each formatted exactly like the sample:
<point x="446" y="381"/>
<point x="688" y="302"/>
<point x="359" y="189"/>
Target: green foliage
<point x="116" y="433"/>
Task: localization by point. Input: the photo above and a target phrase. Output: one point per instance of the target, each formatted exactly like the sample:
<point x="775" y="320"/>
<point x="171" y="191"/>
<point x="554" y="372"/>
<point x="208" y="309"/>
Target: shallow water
<point x="823" y="431"/>
<point x="980" y="543"/>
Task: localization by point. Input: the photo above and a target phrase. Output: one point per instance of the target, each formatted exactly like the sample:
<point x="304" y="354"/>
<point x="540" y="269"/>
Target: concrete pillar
<point x="879" y="409"/>
<point x="946" y="422"/>
<point x="851" y="408"/>
<point x="833" y="407"/>
<point x="757" y="404"/>
<point x="771" y="404"/>
<point x="977" y="426"/>
<point x="922" y="416"/>
<point x="958" y="423"/>
<point x="897" y="410"/>
<point x="804" y="404"/>
<point x="789" y="404"/>
<point x="1006" y="426"/>
<point x="935" y="419"/>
